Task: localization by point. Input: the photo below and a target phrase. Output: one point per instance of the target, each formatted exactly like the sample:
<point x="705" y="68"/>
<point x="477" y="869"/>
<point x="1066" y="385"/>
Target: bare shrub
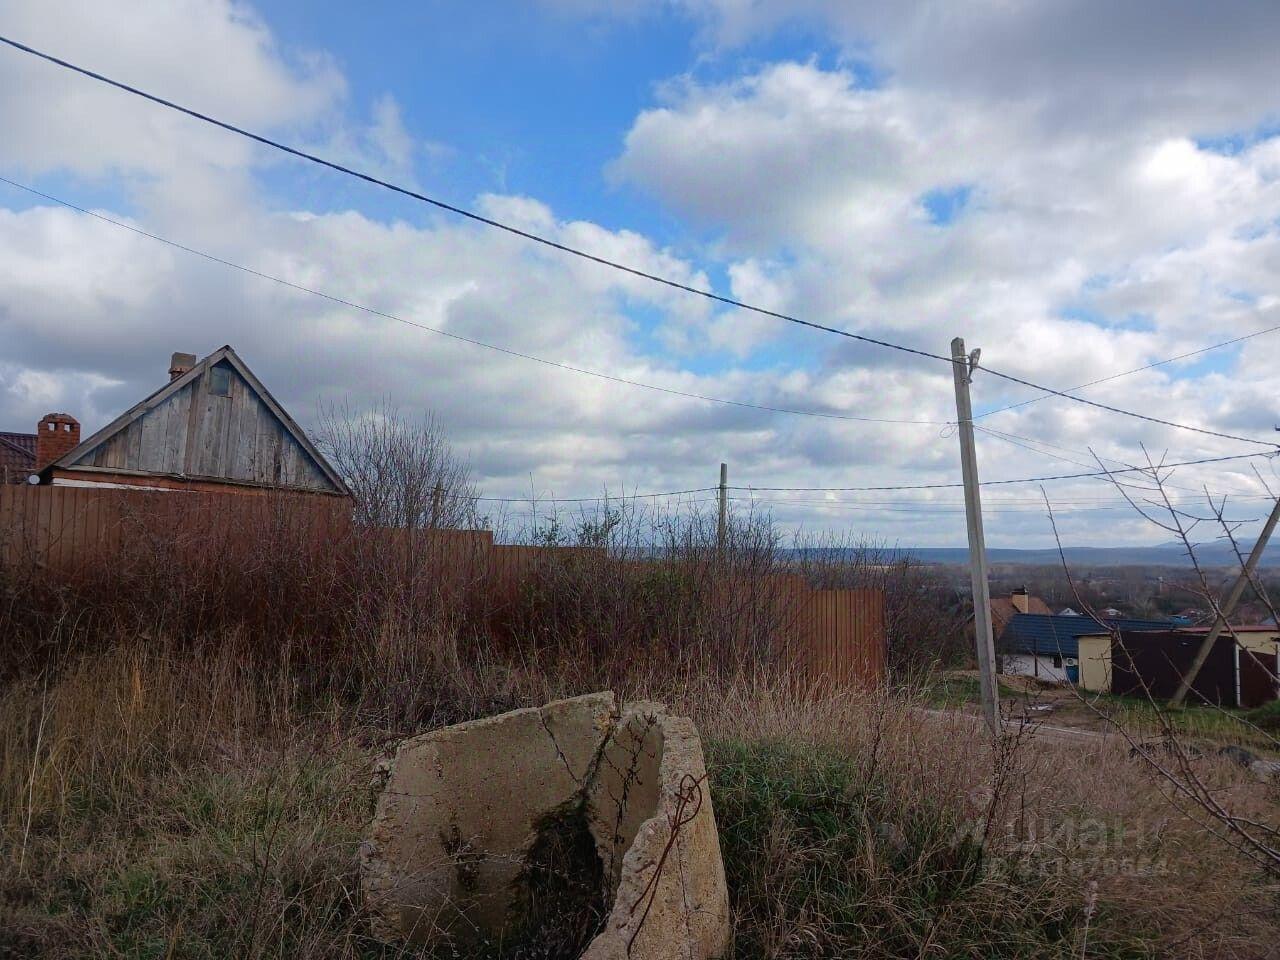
<point x="189" y="566"/>
<point x="630" y="586"/>
<point x="403" y="473"/>
<point x="1253" y="835"/>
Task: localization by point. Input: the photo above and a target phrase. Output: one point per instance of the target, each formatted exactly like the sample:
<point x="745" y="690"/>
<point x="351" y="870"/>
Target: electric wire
<point x="373" y="311"/>
<point x="636" y="383"/>
<point x="1032" y="444"/>
<point x="1126" y="373"/>
<point x="585" y="254"/>
<point x="574" y="369"/>
<point x="1049" y="391"/>
<point x="460" y="211"/>
<point x="995" y="483"/>
<point x="926" y="512"/>
<point x="600" y="499"/>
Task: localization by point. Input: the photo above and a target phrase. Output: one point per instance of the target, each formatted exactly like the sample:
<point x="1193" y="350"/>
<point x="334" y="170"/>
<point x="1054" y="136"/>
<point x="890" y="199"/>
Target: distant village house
<point x="1115" y="654"/>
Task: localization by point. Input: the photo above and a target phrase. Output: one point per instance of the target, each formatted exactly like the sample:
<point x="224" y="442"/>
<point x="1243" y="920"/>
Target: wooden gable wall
<point x="197" y="433"/>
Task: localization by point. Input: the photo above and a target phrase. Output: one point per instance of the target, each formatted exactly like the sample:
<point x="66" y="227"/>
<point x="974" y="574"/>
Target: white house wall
<point x="1028" y="665"/>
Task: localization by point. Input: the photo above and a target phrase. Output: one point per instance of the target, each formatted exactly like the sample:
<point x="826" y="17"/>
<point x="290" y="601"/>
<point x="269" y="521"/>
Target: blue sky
<point x="1048" y="181"/>
<point x="521" y="99"/>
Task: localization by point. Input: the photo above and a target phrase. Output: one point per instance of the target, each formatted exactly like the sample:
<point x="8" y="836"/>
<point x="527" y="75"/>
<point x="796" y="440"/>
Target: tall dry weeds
<point x="159" y="799"/>
<point x="186" y="733"/>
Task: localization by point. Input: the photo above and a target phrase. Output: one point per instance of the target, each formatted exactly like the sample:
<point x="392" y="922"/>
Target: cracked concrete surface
<point x="461" y="808"/>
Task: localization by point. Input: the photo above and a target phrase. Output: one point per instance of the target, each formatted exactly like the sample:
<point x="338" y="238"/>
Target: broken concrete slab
<point x="583" y="827"/>
<point x="670" y="901"/>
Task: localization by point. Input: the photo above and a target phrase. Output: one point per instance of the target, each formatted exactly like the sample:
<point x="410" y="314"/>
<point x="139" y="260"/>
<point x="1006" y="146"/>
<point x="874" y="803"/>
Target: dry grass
<point x="1058" y="827"/>
<point x="186" y="742"/>
<point x="160" y="803"/>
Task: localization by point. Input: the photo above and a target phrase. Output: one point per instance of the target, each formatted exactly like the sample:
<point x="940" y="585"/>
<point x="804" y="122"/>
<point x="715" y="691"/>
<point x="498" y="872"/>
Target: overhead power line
<point x="1029" y="505"/>
<point x="1128" y="413"/>
<point x="1029" y="444"/>
<point x="1127" y="373"/>
<point x="578" y="251"/>
<point x="997" y="483"/>
<point x="1034" y="446"/>
<point x="1026" y="443"/>
<point x="461" y="211"/>
<point x="847" y="506"/>
<point x="616" y="498"/>
<point x="373" y="311"/>
<point x="1036" y="503"/>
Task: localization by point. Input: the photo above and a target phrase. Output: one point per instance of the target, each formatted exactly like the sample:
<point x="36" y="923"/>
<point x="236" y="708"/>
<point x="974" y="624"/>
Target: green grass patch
<point x="949" y="691"/>
<point x="822" y="861"/>
<point x="1266" y="717"/>
<point x="1256" y="729"/>
<point x="207" y="863"/>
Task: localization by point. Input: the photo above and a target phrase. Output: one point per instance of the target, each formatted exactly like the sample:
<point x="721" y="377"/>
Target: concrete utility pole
<point x="722" y="524"/>
<point x="1226" y="608"/>
<point x="437" y="496"/>
<point x="962" y="366"/>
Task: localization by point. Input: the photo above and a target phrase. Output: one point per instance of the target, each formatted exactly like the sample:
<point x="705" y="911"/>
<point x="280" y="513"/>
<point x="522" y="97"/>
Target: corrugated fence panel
<point x="840" y="638"/>
<point x="830" y="636"/>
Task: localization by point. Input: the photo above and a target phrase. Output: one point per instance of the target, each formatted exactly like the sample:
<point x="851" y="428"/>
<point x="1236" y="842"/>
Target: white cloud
<point x="1047" y="220"/>
<point x="1160" y="66"/>
<point x="211" y="55"/>
<point x="815" y="186"/>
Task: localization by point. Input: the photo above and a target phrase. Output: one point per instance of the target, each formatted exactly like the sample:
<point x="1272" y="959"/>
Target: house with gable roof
<point x="214" y="426"/>
<point x="1032" y="641"/>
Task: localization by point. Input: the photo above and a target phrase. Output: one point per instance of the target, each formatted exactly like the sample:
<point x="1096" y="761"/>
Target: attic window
<point x="220" y="381"/>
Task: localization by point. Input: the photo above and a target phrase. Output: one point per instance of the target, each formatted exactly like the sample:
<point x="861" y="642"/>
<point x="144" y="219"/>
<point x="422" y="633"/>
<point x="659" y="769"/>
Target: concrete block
<point x="578" y="829"/>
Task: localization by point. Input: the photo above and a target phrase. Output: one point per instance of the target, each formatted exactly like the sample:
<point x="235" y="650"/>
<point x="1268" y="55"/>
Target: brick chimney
<point x="179" y="364"/>
<point x="56" y="434"/>
<point x="1020" y="599"/>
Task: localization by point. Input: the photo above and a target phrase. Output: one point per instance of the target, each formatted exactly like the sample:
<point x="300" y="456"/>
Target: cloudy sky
<point x="1078" y="188"/>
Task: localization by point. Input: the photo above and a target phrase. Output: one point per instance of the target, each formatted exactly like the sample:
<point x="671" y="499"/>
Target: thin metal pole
<point x="1226" y="608"/>
<point x="983" y="640"/>
<point x="722" y="525"/>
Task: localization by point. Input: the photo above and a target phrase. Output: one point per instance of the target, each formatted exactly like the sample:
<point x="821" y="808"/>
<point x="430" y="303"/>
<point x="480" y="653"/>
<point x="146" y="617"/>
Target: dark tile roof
<point x="1057" y="635"/>
<point x="17" y="456"/>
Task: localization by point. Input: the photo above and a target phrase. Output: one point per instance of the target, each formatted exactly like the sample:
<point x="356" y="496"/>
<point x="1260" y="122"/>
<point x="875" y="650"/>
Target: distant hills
<point x="1161" y="555"/>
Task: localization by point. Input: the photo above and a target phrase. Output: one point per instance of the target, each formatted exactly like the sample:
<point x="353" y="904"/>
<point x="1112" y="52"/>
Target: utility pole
<point x="963" y="366"/>
<point x="722" y="524"/>
<point x="1226" y="608"/>
<point x="437" y="495"/>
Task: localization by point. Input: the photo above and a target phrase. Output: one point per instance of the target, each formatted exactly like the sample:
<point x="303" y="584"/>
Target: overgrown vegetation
<point x="156" y="799"/>
<point x="186" y="735"/>
<point x="820" y="852"/>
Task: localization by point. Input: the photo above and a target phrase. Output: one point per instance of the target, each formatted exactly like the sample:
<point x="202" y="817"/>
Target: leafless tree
<point x="403" y="472"/>
<point x="1256" y="581"/>
<point x="1171" y="758"/>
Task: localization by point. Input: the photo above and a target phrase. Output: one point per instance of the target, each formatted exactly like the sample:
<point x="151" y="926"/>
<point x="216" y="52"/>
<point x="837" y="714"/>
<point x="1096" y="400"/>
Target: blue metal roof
<point x="1049" y="636"/>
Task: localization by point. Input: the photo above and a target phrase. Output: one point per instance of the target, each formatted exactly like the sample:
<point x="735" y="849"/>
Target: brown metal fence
<point x="835" y="636"/>
<point x="844" y="635"/>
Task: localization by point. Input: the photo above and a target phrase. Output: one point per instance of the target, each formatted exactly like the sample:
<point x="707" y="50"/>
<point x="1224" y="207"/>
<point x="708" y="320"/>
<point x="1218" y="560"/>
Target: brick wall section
<point x="57" y="434"/>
